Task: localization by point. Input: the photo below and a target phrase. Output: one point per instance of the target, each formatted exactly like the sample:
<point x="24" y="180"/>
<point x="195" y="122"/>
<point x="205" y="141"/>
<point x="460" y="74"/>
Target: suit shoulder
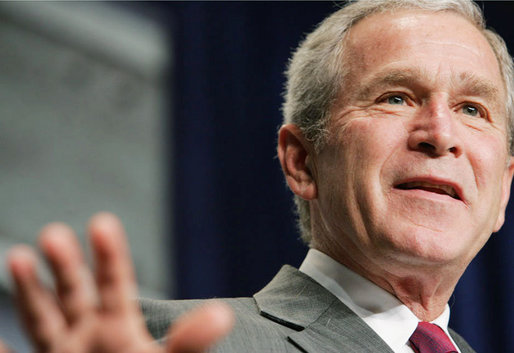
<point x="160" y="315"/>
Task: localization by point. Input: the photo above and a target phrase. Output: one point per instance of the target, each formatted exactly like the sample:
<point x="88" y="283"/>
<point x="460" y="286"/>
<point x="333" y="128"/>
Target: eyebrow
<point x="403" y="77"/>
<point x="469" y="84"/>
<point x="466" y="83"/>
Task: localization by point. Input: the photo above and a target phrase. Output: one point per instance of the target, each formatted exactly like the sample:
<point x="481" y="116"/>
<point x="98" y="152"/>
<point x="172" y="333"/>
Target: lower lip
<point x="420" y="193"/>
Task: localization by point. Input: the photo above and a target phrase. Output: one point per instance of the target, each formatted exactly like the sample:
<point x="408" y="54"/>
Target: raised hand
<point x="95" y="311"/>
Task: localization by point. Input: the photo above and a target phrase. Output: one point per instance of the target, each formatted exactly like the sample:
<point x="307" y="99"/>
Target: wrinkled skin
<point x="415" y="174"/>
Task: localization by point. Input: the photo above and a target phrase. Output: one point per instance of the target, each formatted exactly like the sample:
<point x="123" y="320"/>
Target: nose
<point x="434" y="131"/>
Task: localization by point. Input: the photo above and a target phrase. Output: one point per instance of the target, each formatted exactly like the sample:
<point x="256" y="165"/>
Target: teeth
<point x="422" y="184"/>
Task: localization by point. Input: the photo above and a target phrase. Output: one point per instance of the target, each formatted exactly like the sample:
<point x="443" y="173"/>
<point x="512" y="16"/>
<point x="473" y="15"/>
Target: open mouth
<point x="443" y="189"/>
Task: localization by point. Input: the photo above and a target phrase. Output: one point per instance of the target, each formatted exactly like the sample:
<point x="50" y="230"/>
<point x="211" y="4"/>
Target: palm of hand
<point x="97" y="313"/>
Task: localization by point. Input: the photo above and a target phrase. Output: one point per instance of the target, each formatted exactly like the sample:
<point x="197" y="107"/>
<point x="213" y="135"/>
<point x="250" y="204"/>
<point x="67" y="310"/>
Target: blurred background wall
<point x="166" y="113"/>
<point x="82" y="127"/>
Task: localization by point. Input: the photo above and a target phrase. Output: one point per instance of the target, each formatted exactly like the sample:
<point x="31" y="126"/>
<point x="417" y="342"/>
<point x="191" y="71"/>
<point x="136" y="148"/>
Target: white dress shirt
<point x="379" y="309"/>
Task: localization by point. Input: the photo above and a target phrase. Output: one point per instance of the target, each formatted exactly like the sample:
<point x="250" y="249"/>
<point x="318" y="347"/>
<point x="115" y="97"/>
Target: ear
<point x="507" y="181"/>
<point x="295" y="154"/>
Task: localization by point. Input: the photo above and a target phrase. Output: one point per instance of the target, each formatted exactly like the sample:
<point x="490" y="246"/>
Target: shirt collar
<point x="383" y="312"/>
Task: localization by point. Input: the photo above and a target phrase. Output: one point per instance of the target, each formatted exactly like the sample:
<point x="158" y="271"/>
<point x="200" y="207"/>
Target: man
<point x="396" y="144"/>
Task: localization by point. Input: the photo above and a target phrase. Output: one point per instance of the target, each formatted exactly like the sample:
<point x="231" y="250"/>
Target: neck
<point x="426" y="297"/>
<point x="425" y="290"/>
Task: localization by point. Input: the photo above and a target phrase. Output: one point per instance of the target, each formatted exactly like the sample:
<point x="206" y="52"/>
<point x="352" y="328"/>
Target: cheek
<point x="362" y="150"/>
<point x="488" y="160"/>
<point x="370" y="143"/>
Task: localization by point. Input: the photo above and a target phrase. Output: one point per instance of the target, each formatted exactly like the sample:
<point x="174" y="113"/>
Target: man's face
<point x="416" y="168"/>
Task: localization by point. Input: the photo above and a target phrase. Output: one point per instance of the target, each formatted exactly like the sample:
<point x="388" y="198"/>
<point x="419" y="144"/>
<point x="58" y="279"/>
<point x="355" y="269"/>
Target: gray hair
<point x="316" y="71"/>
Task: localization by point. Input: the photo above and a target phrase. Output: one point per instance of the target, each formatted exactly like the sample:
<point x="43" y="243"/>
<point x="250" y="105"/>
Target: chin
<point x="418" y="245"/>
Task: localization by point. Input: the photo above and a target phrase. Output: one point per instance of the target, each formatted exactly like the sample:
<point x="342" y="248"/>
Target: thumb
<point x="199" y="329"/>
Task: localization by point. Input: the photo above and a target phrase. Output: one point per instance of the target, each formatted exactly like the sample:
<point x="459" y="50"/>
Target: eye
<point x="474" y="110"/>
<point x="396" y="100"/>
<point x="470" y="110"/>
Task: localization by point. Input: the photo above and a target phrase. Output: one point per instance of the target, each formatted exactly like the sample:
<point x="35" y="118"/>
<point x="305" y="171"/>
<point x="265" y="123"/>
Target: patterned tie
<point x="430" y="338"/>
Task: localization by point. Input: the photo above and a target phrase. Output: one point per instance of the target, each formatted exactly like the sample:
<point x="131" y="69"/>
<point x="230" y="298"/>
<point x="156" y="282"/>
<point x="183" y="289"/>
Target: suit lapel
<point x="338" y="329"/>
<point x="322" y="323"/>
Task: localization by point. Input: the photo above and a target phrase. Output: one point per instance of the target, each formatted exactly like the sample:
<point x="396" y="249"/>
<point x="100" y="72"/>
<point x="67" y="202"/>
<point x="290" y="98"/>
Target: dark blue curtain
<point x="234" y="225"/>
<point x="233" y="220"/>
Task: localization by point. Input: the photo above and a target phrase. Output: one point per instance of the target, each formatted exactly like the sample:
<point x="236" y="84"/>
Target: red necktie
<point x="430" y="338"/>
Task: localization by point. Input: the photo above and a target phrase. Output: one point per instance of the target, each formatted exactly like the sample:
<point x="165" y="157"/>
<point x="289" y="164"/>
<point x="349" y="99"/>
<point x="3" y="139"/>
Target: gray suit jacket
<point x="293" y="313"/>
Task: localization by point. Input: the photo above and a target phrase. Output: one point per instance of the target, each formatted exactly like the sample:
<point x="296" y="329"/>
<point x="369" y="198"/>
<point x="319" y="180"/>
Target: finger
<point x="198" y="330"/>
<point x="39" y="312"/>
<point x="75" y="287"/>
<point x="113" y="266"/>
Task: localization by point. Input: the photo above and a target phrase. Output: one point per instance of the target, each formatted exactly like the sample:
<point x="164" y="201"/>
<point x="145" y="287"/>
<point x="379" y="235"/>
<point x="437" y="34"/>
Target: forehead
<point x="441" y="41"/>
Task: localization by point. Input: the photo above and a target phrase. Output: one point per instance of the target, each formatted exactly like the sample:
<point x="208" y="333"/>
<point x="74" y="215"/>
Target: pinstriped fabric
<point x="292" y="314"/>
<point x="430" y="338"/>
